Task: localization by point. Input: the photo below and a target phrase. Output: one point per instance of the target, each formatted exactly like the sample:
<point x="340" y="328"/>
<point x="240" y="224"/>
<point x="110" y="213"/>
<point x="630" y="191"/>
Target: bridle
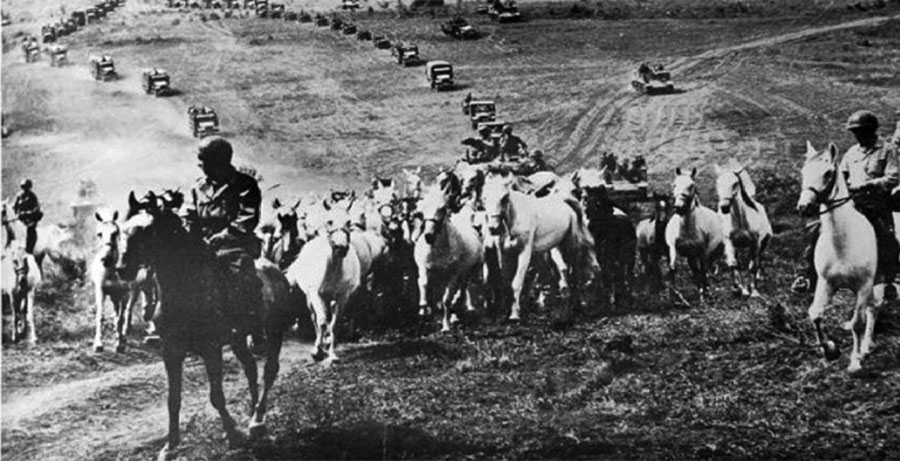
<point x="822" y="197"/>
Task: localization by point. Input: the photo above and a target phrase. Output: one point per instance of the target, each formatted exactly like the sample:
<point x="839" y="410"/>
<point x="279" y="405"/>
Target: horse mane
<point x="747" y="188"/>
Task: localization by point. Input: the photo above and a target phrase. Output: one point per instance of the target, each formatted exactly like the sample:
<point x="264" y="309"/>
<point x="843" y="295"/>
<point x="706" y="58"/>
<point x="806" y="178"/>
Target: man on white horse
<point x="224" y="211"/>
<point x="872" y="170"/>
<point x="28" y="211"/>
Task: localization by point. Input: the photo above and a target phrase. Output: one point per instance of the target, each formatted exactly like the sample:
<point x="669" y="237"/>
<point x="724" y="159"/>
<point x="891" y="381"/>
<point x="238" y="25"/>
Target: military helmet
<point x="484" y="130"/>
<point x="214" y="149"/>
<point x="507" y="129"/>
<point x="862" y="119"/>
<point x="25" y="184"/>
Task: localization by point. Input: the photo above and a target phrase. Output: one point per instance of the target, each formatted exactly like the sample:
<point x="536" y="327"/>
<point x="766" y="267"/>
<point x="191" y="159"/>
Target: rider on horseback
<point x="28" y="211"/>
<point x="871" y="169"/>
<point x="512" y="148"/>
<point x="224" y="211"/>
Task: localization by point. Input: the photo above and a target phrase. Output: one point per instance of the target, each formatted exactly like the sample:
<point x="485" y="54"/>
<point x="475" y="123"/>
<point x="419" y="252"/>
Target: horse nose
<point x="495" y="230"/>
<point x="429" y="237"/>
<point x="725" y="207"/>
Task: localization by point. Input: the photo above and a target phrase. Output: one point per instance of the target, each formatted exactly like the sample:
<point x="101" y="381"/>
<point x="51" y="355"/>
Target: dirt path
<point x="117" y="410"/>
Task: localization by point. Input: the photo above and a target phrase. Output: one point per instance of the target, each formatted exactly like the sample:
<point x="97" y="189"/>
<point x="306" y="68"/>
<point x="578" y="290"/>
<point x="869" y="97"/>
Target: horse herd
<point x="468" y="238"/>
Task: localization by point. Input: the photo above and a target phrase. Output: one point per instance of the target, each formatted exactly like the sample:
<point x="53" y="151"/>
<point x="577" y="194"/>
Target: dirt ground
<point x="311" y="109"/>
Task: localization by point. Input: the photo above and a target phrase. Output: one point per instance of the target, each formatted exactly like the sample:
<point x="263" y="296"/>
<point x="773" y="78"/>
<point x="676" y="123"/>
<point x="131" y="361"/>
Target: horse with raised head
<point x="846" y="253"/>
<point x="448" y="253"/>
<point x="21" y="276"/>
<point x="525" y="225"/>
<point x="694" y="232"/>
<point x="194" y="313"/>
<point x="412" y="183"/>
<point x="651" y="239"/>
<point x="746" y="225"/>
<point x="328" y="272"/>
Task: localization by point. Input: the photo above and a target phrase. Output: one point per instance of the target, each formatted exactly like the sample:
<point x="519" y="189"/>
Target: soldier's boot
<point x="807" y="282"/>
<point x="30" y="239"/>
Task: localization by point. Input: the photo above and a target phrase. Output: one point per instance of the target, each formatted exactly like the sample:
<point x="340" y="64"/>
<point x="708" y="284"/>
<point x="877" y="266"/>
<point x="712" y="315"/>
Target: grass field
<point x="312" y="109"/>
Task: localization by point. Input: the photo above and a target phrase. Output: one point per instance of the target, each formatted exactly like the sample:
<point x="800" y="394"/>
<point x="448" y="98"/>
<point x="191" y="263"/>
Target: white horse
<point x="123" y="294"/>
<point x="746" y="224"/>
<point x="413" y="183"/>
<point x="694" y="232"/>
<point x="327" y="270"/>
<point x="52" y="241"/>
<point x="651" y="240"/>
<point x="525" y="225"/>
<point x="448" y="253"/>
<point x="21" y="276"/>
<point x="846" y="253"/>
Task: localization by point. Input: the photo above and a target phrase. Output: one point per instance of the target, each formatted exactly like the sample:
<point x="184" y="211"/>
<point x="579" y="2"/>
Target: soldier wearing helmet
<point x="872" y="170"/>
<point x="28" y="211"/>
<point x="224" y="210"/>
<point x="488" y="150"/>
<point x="511" y="146"/>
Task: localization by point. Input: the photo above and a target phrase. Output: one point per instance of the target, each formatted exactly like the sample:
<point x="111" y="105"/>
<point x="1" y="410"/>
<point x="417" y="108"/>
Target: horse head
<point x="495" y="198"/>
<point x="820" y="178"/>
<point x="684" y="191"/>
<point x="413" y="182"/>
<point x="434" y="209"/>
<point x="149" y="224"/>
<point x="108" y="236"/>
<point x="337" y="230"/>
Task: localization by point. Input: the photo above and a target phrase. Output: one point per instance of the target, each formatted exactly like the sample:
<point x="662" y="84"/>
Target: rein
<point x="830" y="205"/>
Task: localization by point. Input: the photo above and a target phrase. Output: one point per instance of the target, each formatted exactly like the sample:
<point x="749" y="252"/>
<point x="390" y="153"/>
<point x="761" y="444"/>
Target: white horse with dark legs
<point x="327" y="270"/>
<point x="846" y="253"/>
<point x="21" y="276"/>
<point x="746" y="225"/>
<point x="694" y="232"/>
<point x="525" y="225"/>
<point x="448" y="253"/>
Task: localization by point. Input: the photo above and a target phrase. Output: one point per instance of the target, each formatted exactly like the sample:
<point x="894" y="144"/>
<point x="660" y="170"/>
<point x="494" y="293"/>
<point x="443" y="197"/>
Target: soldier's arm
<point x="249" y="200"/>
<point x="891" y="177"/>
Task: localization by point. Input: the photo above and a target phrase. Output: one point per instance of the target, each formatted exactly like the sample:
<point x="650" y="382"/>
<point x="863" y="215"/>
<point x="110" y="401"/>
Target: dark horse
<point x="614" y="242"/>
<point x="193" y="311"/>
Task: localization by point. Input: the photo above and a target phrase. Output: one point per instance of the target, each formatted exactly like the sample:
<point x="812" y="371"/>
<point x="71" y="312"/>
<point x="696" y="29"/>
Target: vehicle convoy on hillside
<point x="459" y="28"/>
<point x="648" y="80"/>
<point x="156" y="81"/>
<point x="103" y="68"/>
<point x="59" y="55"/>
<point x="439" y="75"/>
<point x="202" y="121"/>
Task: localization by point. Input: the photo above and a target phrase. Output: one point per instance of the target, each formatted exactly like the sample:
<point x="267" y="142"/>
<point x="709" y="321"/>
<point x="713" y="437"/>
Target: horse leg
<point x="30" y="331"/>
<point x="120" y="305"/>
<point x="98" y="317"/>
<point x="212" y="358"/>
<point x="423" y="292"/>
<point x="518" y="281"/>
<point x="698" y="270"/>
<point x="563" y="269"/>
<point x="258" y="419"/>
<point x="754" y="269"/>
<point x="248" y="363"/>
<point x="173" y="358"/>
<point x="821" y="299"/>
<point x="731" y="261"/>
<point x="861" y="348"/>
<point x="339" y="306"/>
<point x="318" y="309"/>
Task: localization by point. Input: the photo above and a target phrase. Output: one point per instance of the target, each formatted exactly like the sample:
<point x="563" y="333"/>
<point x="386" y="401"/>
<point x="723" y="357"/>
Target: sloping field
<point x="313" y="109"/>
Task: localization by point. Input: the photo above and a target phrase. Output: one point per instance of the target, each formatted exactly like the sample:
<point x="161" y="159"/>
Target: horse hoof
<point x="318" y="356"/>
<point x="98" y="347"/>
<point x="755" y="294"/>
<point x="120" y="348"/>
<point x="235" y="439"/>
<point x="166" y="454"/>
<point x="151" y="339"/>
<point x="831" y="350"/>
<point x="855" y="369"/>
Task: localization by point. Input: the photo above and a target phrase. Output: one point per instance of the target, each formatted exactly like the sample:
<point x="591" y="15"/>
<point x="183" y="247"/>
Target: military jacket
<point x="225" y="213"/>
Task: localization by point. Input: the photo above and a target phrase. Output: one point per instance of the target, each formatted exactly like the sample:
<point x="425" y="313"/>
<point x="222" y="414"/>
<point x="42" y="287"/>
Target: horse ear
<point x="97" y="215"/>
<point x="375" y="183"/>
<point x="132" y="201"/>
<point x="693" y="172"/>
<point x="832" y="150"/>
<point x="326" y="204"/>
<point x="115" y="215"/>
<point x="419" y="169"/>
<point x="810" y="150"/>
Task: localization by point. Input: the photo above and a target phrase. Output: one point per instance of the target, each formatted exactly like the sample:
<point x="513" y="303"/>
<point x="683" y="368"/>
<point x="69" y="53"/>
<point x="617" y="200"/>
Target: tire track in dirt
<point x="121" y="410"/>
<point x="593" y="132"/>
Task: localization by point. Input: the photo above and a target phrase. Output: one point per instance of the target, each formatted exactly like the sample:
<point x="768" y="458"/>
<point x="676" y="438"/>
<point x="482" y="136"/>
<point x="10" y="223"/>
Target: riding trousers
<point x="888" y="247"/>
<point x="30" y="239"/>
